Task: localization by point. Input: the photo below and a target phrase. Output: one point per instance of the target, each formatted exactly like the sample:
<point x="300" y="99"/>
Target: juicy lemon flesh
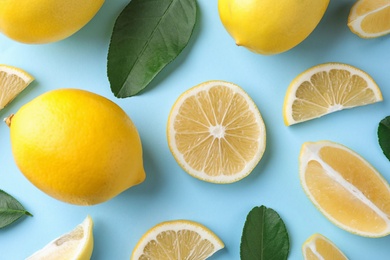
<point x="370" y="18"/>
<point x="77" y="244"/>
<point x="349" y="205"/>
<point x="177" y="239"/>
<point x="217" y="133"/>
<point x="319" y="246"/>
<point x="223" y="140"/>
<point x="183" y="244"/>
<point x="77" y="146"/>
<point x="328" y="92"/>
<point x="12" y="82"/>
<point x="45" y="21"/>
<point x="270" y="27"/>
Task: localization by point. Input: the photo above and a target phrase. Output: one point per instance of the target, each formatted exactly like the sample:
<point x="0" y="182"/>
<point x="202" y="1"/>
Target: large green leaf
<point x="147" y="36"/>
<point x="10" y="209"/>
<point x="264" y="236"/>
<point x="384" y="136"/>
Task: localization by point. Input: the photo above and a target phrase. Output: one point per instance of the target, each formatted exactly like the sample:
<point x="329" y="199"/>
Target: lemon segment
<point x="76" y="146"/>
<point x="216" y="133"/>
<point x="318" y="247"/>
<point x="345" y="188"/>
<point x="177" y="239"/>
<point x="370" y="18"/>
<point x="75" y="245"/>
<point x="12" y="81"/>
<point x="327" y="88"/>
<point x="270" y="27"/>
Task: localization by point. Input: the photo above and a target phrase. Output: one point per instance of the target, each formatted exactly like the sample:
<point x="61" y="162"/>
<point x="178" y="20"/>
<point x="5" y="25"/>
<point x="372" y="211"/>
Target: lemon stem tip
<point x="8" y="119"/>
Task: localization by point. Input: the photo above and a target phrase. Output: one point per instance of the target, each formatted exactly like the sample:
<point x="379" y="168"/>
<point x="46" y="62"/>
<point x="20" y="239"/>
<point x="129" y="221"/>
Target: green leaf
<point x="147" y="35"/>
<point x="264" y="236"/>
<point x="10" y="209"/>
<point x="384" y="136"/>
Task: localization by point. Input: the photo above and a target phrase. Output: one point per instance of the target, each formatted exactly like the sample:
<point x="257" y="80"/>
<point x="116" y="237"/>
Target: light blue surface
<point x="168" y="192"/>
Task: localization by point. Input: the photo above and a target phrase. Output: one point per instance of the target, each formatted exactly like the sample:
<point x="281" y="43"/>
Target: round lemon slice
<point x="216" y="133"/>
<point x="179" y="240"/>
<point x="77" y="244"/>
<point x="370" y="18"/>
<point x="12" y="81"/>
<point x="328" y="88"/>
<point x="318" y="247"/>
<point x="345" y="188"/>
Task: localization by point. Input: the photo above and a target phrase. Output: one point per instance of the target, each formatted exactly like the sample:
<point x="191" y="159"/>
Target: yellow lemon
<point x="269" y="26"/>
<point x="76" y="146"/>
<point x="45" y="21"/>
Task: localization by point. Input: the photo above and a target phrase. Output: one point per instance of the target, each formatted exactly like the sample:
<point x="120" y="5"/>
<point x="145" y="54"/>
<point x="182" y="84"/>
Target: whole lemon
<point x="270" y="26"/>
<point x="45" y="21"/>
<point x="76" y="146"/>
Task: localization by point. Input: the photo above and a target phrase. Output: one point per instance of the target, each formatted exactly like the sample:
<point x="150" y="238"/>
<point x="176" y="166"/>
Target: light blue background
<point x="168" y="192"/>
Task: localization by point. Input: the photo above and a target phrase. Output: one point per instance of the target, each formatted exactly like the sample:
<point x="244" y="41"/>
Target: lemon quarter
<point x="77" y="244"/>
<point x="216" y="132"/>
<point x="370" y="18"/>
<point x="351" y="193"/>
<point x="12" y="81"/>
<point x="318" y="247"/>
<point x="327" y="88"/>
<point x="179" y="240"/>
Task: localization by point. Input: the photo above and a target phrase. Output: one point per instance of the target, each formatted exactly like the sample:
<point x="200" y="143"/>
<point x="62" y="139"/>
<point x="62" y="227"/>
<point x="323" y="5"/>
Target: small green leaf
<point x="147" y="36"/>
<point x="384" y="136"/>
<point x="264" y="236"/>
<point x="10" y="209"/>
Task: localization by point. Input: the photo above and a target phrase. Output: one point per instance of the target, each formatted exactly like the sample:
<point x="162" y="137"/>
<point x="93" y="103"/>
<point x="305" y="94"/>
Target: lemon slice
<point x="345" y="188"/>
<point x="370" y="18"/>
<point x="77" y="244"/>
<point x="327" y="88"/>
<point x="12" y="82"/>
<point x="179" y="240"/>
<point x="319" y="247"/>
<point x="216" y="132"/>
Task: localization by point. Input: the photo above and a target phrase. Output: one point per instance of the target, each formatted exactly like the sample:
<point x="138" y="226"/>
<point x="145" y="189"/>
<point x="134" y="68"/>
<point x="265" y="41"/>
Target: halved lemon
<point x="318" y="247"/>
<point x="370" y="18"/>
<point x="77" y="244"/>
<point x="216" y="132"/>
<point x="327" y="88"/>
<point x="179" y="240"/>
<point x="12" y="81"/>
<point x="345" y="188"/>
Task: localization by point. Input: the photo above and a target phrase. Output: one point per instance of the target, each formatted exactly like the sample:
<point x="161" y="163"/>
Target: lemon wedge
<point x="370" y="18"/>
<point x="179" y="240"/>
<point x="12" y="81"/>
<point x="345" y="188"/>
<point x="216" y="132"/>
<point x="318" y="247"/>
<point x="327" y="88"/>
<point x="77" y="244"/>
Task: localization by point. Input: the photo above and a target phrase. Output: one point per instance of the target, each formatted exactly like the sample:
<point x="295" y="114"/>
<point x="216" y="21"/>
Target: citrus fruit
<point x="345" y="188"/>
<point x="318" y="247"/>
<point x="179" y="240"/>
<point x="328" y="88"/>
<point x="45" y="21"/>
<point x="77" y="244"/>
<point x="268" y="26"/>
<point x="76" y="146"/>
<point x="370" y="18"/>
<point x="216" y="133"/>
<point x="12" y="81"/>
